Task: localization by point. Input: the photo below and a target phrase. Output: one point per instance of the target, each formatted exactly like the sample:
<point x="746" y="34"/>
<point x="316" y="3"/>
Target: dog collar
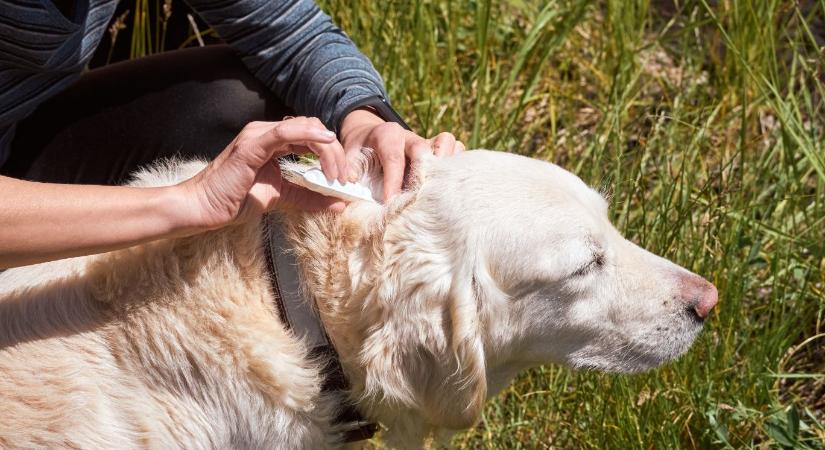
<point x="297" y="314"/>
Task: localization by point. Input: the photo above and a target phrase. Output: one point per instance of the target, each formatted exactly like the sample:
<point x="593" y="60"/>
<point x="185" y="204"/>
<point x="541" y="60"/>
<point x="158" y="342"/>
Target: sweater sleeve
<point x="296" y="50"/>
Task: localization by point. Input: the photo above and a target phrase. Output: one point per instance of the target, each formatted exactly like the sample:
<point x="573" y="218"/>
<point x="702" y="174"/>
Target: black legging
<point x="185" y="103"/>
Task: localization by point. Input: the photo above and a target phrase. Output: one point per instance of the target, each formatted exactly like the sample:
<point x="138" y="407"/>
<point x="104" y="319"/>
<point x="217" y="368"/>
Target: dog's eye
<point x="596" y="263"/>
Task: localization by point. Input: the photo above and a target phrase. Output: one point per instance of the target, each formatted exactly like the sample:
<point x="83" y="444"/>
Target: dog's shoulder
<point x="185" y="329"/>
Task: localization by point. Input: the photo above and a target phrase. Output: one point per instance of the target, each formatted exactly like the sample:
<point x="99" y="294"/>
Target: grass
<point x="704" y="122"/>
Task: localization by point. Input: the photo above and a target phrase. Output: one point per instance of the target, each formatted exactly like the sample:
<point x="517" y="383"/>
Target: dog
<point x="487" y="264"/>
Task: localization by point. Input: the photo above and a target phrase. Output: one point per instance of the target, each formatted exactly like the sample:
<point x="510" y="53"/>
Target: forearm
<point x="296" y="50"/>
<point x="41" y="222"/>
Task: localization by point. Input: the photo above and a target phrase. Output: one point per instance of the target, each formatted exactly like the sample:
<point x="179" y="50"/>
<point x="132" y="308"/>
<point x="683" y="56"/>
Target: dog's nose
<point x="707" y="301"/>
<point x="700" y="295"/>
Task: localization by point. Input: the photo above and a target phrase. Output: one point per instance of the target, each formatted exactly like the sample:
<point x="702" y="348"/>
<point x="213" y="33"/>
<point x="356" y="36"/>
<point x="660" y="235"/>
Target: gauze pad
<point x="313" y="179"/>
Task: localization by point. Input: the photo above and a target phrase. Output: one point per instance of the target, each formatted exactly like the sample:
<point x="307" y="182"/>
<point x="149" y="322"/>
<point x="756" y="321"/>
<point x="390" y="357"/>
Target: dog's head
<point x="493" y="263"/>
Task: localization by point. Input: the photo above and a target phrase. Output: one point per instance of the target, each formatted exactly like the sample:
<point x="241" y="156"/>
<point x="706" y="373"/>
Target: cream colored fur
<point x="490" y="263"/>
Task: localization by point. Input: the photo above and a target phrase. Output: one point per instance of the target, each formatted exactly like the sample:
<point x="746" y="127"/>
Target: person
<point x="67" y="138"/>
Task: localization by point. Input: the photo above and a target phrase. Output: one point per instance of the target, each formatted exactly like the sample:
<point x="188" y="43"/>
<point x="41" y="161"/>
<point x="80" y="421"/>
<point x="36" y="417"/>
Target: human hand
<point x="244" y="181"/>
<point x="393" y="144"/>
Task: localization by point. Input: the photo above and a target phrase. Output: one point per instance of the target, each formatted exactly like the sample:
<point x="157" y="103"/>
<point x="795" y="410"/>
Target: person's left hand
<point x="393" y="144"/>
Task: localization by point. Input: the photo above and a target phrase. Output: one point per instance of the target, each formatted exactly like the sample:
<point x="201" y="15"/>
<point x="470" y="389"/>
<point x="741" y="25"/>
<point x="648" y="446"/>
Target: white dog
<point x="489" y="264"/>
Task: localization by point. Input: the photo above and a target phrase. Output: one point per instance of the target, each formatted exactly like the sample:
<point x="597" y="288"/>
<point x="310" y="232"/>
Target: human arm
<point x="41" y="221"/>
<point x="296" y="50"/>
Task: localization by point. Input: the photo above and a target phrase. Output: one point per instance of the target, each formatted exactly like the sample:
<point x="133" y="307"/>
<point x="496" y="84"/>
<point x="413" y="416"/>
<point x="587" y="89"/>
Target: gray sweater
<point x="290" y="45"/>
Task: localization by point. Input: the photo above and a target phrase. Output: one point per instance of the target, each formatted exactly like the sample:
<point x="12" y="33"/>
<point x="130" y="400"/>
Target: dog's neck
<point x="339" y="258"/>
<point x="351" y="264"/>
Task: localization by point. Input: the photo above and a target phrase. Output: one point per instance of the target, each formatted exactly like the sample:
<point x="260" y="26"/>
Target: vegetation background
<point x="703" y="120"/>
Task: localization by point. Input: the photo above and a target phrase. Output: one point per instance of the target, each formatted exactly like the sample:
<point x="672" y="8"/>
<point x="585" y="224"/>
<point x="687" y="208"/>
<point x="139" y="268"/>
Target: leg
<point x="186" y="103"/>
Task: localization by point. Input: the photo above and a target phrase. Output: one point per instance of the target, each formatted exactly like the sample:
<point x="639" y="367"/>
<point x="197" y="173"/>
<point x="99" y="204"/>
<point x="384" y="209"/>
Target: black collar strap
<point x="297" y="314"/>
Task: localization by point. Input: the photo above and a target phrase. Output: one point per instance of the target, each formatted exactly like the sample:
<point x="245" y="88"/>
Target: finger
<point x="353" y="157"/>
<point x="388" y="142"/>
<point x="459" y="147"/>
<point x="419" y="148"/>
<point x="246" y="138"/>
<point x="263" y="195"/>
<point x="444" y="144"/>
<point x="298" y="197"/>
<point x="293" y="131"/>
<point x="266" y="190"/>
<point x="329" y="155"/>
<point x="341" y="160"/>
<point x="259" y="126"/>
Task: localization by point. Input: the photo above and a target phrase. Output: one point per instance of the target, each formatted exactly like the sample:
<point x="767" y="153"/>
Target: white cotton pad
<point x="313" y="179"/>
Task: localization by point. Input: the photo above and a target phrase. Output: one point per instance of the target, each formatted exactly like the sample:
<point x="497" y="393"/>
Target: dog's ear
<point x="426" y="355"/>
<point x="456" y="396"/>
<point x="367" y="167"/>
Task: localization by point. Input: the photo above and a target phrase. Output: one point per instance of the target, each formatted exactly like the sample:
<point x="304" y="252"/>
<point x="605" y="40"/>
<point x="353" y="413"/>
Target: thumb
<point x="266" y="189"/>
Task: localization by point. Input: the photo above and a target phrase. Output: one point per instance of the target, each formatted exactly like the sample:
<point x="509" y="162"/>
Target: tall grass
<point x="703" y="121"/>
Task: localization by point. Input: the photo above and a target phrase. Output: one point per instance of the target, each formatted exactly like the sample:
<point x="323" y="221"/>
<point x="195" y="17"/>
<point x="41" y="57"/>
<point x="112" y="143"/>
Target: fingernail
<point x="353" y="175"/>
<point x="328" y="134"/>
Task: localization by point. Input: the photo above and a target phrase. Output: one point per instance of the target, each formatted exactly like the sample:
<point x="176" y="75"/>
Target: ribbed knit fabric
<point x="290" y="45"/>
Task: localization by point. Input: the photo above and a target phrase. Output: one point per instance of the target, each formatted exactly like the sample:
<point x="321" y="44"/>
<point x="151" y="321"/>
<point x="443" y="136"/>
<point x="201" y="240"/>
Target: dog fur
<point x="489" y="263"/>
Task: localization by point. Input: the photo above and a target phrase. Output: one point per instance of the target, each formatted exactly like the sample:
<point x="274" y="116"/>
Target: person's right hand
<point x="244" y="181"/>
